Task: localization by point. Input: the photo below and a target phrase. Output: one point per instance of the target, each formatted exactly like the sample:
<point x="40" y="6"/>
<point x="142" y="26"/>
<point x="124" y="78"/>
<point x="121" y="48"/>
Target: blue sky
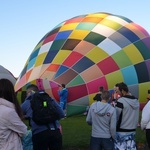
<point x="24" y="23"/>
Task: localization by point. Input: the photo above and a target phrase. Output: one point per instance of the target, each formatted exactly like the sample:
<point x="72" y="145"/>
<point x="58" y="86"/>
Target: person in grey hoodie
<point x="127" y="108"/>
<point x="102" y="117"/>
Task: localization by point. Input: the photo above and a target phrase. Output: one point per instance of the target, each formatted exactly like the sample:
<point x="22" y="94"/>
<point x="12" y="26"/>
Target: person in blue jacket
<point x="44" y="137"/>
<point x="63" y="94"/>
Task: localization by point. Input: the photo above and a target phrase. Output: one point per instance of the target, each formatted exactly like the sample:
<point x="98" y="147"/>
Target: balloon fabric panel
<point x="93" y="86"/>
<point x="147" y="62"/>
<point x="79" y="34"/>
<point x="61" y="55"/>
<point x="88" y="51"/>
<point x="70" y="44"/>
<point x="130" y="75"/>
<point x="119" y="39"/>
<point x="96" y="54"/>
<point x="143" y="75"/>
<point x="57" y="45"/>
<point x="63" y="35"/>
<point x="121" y="59"/>
<point x="132" y="51"/>
<point x="81" y="48"/>
<point x="61" y="70"/>
<point x="77" y="80"/>
<point x="50" y="56"/>
<point x="109" y="46"/>
<point x="49" y="38"/>
<point x="85" y="26"/>
<point x="82" y="64"/>
<point x="75" y="93"/>
<point x="90" y="74"/>
<point x="72" y="59"/>
<point x="94" y="38"/>
<point x="128" y="34"/>
<point x="108" y="65"/>
<point x="143" y="49"/>
<point x="70" y="75"/>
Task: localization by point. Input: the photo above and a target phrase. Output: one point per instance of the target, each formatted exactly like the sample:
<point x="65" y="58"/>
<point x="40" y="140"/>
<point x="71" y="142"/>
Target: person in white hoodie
<point x="102" y="117"/>
<point x="145" y="121"/>
<point x="12" y="128"/>
<point x="127" y="108"/>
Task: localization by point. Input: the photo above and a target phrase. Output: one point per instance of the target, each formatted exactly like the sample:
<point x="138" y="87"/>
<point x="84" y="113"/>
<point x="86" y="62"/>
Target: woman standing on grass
<point x="12" y="127"/>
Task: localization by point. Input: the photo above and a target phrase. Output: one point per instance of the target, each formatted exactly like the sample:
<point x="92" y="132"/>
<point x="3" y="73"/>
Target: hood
<point x="6" y="103"/>
<point x="132" y="101"/>
<point x="101" y="108"/>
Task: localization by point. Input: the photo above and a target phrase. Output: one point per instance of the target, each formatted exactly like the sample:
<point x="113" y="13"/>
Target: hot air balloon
<point x="6" y="74"/>
<point x="88" y="51"/>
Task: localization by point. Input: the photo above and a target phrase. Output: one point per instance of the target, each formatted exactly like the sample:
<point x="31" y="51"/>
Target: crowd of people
<point x="123" y="108"/>
<point x="13" y="130"/>
<point x="114" y="119"/>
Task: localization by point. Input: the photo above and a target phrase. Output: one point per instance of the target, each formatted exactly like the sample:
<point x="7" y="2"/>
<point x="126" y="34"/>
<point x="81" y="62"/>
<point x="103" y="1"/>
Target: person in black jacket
<point x="97" y="97"/>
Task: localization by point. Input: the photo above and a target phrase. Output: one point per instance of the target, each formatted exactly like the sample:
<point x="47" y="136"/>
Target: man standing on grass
<point x="127" y="108"/>
<point x="44" y="136"/>
<point x="102" y="117"/>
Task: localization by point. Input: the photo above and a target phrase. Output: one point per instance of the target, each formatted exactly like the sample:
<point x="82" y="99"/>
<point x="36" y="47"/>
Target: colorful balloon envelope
<point x="6" y="74"/>
<point x="88" y="51"/>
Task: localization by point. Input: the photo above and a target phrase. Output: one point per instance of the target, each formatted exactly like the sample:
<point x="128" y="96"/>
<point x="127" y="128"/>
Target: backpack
<point x="44" y="110"/>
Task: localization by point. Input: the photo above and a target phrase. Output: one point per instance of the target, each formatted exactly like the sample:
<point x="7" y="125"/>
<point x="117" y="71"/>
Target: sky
<point x="24" y="23"/>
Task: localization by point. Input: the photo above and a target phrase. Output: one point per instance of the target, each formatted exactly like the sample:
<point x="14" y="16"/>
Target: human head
<point x="7" y="90"/>
<point x="105" y="95"/>
<point x="63" y="85"/>
<point x="115" y="87"/>
<point x="122" y="88"/>
<point x="31" y="89"/>
<point x="101" y="88"/>
<point x="8" y="93"/>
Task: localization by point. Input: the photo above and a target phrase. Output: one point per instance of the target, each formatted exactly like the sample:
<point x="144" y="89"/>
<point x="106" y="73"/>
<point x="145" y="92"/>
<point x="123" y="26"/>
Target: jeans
<point x="101" y="143"/>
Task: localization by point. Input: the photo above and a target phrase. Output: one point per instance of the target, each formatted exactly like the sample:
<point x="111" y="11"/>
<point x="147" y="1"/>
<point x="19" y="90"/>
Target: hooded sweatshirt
<point x="145" y="120"/>
<point x="12" y="128"/>
<point x="102" y="117"/>
<point x="127" y="114"/>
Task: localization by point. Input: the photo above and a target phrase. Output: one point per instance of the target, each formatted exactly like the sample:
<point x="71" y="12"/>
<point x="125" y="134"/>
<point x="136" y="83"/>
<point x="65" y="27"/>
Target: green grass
<point x="76" y="133"/>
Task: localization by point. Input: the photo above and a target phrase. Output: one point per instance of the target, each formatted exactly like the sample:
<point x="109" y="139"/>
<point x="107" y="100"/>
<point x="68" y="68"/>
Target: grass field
<point x="76" y="134"/>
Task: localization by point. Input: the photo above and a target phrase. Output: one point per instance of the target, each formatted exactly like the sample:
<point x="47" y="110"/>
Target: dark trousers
<point x="148" y="137"/>
<point x="101" y="143"/>
<point x="47" y="140"/>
